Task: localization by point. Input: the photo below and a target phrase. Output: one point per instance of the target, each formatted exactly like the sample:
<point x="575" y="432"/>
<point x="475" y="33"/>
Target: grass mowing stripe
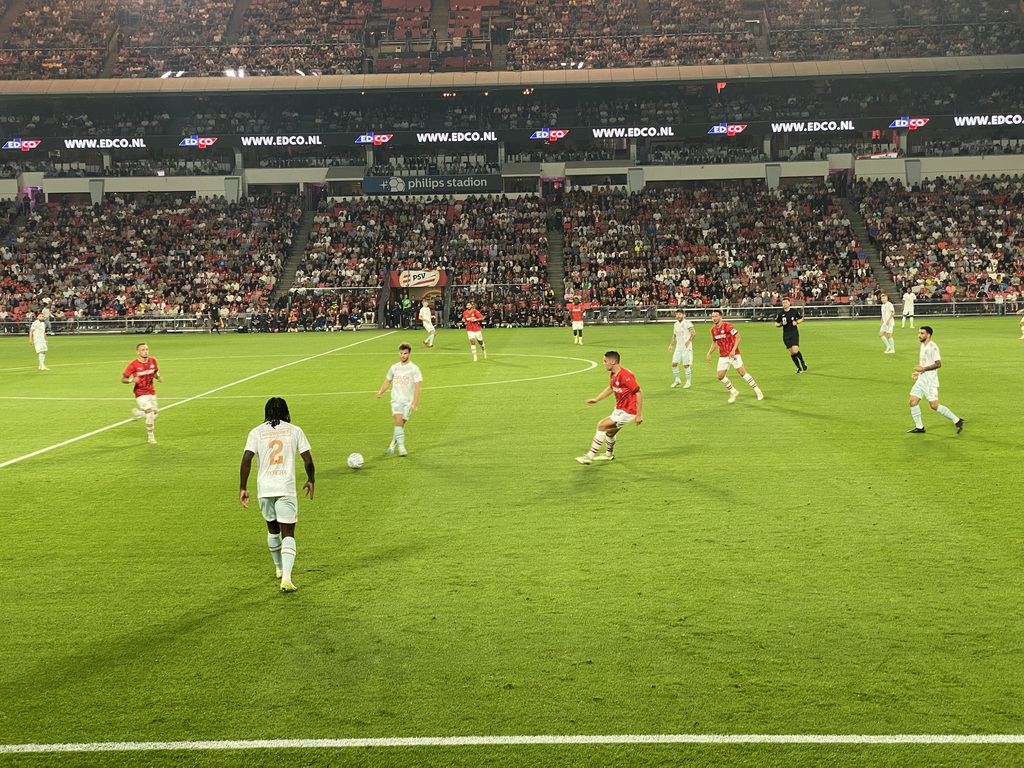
<point x="190" y="399"/>
<point x="471" y="741"/>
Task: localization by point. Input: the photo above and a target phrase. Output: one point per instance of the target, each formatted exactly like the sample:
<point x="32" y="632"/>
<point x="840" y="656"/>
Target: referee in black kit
<point x="788" y="319"/>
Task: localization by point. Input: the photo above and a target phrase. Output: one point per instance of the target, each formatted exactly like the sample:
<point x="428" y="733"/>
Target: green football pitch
<point x="795" y="566"/>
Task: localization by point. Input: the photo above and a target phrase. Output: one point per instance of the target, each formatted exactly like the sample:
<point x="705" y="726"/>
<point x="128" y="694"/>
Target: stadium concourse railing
<point x="595" y="315"/>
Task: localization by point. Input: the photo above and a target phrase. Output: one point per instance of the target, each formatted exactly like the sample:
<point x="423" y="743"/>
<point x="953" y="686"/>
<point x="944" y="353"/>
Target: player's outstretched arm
<point x="639" y="407"/>
<point x="602" y="396"/>
<point x="243" y="478"/>
<point x="127" y="379"/>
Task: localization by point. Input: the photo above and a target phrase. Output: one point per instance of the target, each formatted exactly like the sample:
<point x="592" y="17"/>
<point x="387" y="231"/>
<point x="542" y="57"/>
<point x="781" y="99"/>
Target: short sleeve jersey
<point x="472" y="318"/>
<point x="37" y="332"/>
<point x="723" y="335"/>
<point x="929" y="355"/>
<point x="908" y="302"/>
<point x="425" y="314"/>
<point x="144" y="373"/>
<point x="576" y="313"/>
<point x="403" y="378"/>
<point x="888" y="311"/>
<point x="625" y="387"/>
<point x="276" y="449"/>
<point x="788" y="319"/>
<point x="681" y="329"/>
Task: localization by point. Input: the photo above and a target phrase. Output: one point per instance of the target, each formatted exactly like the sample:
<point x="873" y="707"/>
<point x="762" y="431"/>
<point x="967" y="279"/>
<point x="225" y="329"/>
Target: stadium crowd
<point x="156" y="256"/>
<point x="949" y="238"/>
<point x="736" y="245"/>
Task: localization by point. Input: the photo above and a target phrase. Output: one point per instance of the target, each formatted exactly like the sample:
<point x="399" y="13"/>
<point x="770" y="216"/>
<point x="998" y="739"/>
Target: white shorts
<point x="621" y="418"/>
<point x="146" y="402"/>
<point x="283" y="509"/>
<point x="908" y="312"/>
<point x="401" y="408"/>
<point x="478" y="335"/>
<point x="931" y="394"/>
<point x="577" y="325"/>
<point x="736" y="361"/>
<point x="683" y="355"/>
<point x="428" y="327"/>
<point x="887" y="327"/>
<point x="40" y="346"/>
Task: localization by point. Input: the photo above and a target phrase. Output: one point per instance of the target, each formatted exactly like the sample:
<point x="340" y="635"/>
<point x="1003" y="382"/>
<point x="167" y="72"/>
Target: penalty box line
<point x="473" y="741"/>
<point x="194" y="397"/>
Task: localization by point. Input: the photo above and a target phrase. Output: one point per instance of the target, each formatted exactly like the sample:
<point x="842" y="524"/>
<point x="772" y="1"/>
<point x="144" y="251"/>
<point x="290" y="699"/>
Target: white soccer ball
<point x="355" y="460"/>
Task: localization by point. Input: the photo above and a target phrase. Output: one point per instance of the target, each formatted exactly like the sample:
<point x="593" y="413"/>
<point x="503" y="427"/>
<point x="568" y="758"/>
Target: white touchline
<point x="194" y="397"/>
<point x="472" y="741"/>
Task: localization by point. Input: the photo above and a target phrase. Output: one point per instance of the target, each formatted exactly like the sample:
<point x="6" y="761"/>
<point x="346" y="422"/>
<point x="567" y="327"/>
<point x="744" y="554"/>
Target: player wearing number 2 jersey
<point x="275" y="443"/>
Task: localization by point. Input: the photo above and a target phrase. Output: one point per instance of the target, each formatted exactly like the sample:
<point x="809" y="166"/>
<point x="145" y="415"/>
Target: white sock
<point x="274" y="544"/>
<point x="287" y="557"/>
<point x="400" y="436"/>
<point x="915" y="412"/>
<point x="150" y="418"/>
<point x="944" y="411"/>
<point x="609" y="446"/>
<point x="675" y="372"/>
<point x="598" y="442"/>
<point x="687" y="374"/>
<point x="472" y="348"/>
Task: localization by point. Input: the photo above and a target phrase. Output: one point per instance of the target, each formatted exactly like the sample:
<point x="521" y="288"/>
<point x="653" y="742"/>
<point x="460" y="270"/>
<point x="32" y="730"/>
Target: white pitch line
<point x="190" y="399"/>
<point x="591" y="365"/>
<point x="473" y="741"/>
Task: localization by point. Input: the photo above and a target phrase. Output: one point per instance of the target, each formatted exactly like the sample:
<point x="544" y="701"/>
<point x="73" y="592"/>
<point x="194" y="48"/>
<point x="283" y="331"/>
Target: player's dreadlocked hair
<point x="277" y="411"/>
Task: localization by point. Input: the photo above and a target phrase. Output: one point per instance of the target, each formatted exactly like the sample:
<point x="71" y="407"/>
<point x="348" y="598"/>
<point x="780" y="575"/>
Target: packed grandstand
<point x="288" y="209"/>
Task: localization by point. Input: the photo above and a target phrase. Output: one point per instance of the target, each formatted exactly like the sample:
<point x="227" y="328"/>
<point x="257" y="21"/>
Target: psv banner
<point x="423" y="278"/>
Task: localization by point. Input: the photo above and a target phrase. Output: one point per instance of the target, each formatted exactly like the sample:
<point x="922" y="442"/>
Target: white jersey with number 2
<point x="276" y="449"/>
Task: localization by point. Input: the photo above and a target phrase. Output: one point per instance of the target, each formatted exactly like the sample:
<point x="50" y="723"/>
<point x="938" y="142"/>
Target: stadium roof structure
<point x="950" y="65"/>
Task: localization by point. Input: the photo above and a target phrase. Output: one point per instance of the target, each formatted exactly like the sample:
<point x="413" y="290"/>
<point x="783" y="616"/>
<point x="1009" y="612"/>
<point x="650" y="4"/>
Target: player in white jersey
<point x="682" y="338"/>
<point x="37" y="337"/>
<point x="888" y="322"/>
<point x="926" y="383"/>
<point x="405" y="379"/>
<point x="908" y="308"/>
<point x="427" y="318"/>
<point x="275" y="443"/>
<point x="1021" y="312"/>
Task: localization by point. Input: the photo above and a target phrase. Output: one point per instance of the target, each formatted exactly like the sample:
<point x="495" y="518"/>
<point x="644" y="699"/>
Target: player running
<point x="427" y="318"/>
<point x="727" y="339"/>
<point x="472" y="318"/>
<point x="629" y="401"/>
<point x="141" y="372"/>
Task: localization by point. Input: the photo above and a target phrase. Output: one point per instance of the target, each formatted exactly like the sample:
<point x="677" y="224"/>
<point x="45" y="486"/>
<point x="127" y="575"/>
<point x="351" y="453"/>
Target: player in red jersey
<point x="141" y="372"/>
<point x="472" y="318"/>
<point x="727" y="339"/>
<point x="576" y="317"/>
<point x="629" y="402"/>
